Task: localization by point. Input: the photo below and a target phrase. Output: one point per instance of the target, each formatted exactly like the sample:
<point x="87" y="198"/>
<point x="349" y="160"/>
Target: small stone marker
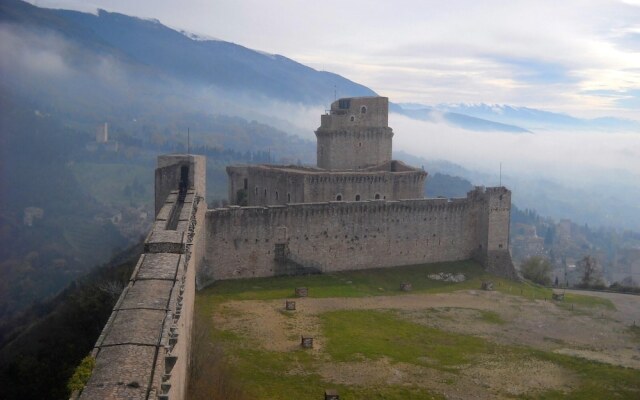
<point x="557" y="296"/>
<point x="290" y="305"/>
<point x="487" y="285"/>
<point x="405" y="287"/>
<point x="331" y="394"/>
<point x="307" y="342"/>
<point x="302" y="292"/>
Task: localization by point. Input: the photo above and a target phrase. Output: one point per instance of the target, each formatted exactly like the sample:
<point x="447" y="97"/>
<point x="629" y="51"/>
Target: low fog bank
<point x="590" y="177"/>
<point x="62" y="77"/>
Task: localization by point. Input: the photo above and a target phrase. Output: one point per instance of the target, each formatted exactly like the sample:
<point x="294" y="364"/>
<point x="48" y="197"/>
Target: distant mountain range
<point x="427" y="113"/>
<point x="157" y="57"/>
<point x="158" y="48"/>
<point x="536" y="120"/>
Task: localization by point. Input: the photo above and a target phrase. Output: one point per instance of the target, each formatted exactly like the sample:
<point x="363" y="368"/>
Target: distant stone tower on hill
<point x="102" y="133"/>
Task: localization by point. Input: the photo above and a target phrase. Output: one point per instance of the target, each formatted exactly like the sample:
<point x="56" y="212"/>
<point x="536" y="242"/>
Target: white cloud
<point x="566" y="157"/>
<point x="431" y="51"/>
<point x="25" y="51"/>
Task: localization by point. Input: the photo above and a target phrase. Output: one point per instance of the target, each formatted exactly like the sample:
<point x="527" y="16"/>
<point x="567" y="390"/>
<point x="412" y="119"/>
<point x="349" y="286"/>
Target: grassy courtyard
<point x="373" y="341"/>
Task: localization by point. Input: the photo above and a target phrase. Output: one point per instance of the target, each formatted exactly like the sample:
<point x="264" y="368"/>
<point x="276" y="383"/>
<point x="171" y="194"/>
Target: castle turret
<point x="176" y="170"/>
<point x="355" y="134"/>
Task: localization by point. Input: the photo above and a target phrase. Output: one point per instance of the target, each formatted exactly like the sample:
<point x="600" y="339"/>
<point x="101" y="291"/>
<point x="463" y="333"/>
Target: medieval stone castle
<point x="357" y="209"/>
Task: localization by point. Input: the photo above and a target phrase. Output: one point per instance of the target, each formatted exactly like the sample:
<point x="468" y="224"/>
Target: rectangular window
<point x="280" y="252"/>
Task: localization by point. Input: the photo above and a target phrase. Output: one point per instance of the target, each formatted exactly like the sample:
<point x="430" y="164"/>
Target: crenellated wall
<point x="244" y="242"/>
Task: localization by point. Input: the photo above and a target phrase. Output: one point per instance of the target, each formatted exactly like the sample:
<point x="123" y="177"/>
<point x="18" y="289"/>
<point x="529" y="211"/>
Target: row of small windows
<point x="276" y="194"/>
<point x="377" y="197"/>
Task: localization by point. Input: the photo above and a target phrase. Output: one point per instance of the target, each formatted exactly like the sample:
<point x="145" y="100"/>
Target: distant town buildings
<point x="31" y="214"/>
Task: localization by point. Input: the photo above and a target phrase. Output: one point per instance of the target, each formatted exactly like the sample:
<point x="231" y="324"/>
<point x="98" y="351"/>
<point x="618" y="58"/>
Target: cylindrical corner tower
<point x="355" y="134"/>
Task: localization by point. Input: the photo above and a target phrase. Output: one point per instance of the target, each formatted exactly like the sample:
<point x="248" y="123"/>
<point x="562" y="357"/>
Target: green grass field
<point x="365" y="336"/>
<point x="384" y="282"/>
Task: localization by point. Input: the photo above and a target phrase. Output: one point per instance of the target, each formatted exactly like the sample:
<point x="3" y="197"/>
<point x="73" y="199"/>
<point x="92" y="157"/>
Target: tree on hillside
<point x="591" y="272"/>
<point x="537" y="269"/>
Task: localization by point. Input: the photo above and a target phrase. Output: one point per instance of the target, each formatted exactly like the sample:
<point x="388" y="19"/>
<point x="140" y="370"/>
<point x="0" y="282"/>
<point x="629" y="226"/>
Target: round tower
<point x="355" y="134"/>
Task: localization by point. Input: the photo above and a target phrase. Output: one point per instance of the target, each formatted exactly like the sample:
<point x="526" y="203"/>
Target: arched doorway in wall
<point x="338" y="197"/>
<point x="357" y="197"/>
<point x="377" y="197"/>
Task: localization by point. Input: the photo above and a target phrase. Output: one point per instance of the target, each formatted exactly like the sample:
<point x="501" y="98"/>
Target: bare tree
<point x="591" y="273"/>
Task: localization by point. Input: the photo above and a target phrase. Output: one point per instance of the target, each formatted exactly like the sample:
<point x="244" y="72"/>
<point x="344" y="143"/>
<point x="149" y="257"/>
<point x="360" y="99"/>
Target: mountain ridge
<point x="533" y="118"/>
<point x="156" y="52"/>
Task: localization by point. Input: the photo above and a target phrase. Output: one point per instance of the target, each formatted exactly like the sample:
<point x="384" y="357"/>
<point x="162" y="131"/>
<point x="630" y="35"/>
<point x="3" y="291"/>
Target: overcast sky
<point x="578" y="57"/>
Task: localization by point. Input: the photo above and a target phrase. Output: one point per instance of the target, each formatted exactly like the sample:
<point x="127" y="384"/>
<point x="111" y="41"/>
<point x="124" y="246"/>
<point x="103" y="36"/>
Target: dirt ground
<point x="593" y="333"/>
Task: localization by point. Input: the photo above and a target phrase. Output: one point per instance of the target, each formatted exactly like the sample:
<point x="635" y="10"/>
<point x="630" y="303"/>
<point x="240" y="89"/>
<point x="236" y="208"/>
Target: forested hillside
<point x="40" y="348"/>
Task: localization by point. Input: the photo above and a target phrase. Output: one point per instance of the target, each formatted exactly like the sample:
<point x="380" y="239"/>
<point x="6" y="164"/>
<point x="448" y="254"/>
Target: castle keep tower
<point x="355" y="134"/>
<point x="354" y="163"/>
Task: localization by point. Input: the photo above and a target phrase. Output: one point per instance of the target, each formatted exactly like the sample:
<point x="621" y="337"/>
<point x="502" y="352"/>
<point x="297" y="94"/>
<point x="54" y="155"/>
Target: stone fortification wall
<point x="497" y="212"/>
<point x="355" y="134"/>
<point x="370" y="186"/>
<point x="144" y="349"/>
<point x="278" y="185"/>
<point x="168" y="174"/>
<point x="264" y="185"/>
<point x="244" y="242"/>
<point x="355" y="148"/>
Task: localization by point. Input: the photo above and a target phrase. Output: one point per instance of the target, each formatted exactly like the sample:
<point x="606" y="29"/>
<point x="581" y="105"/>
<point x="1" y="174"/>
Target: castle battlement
<point x="370" y="111"/>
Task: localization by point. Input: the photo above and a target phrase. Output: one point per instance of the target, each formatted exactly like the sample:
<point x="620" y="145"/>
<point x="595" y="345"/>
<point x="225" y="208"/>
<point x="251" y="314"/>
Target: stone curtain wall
<point x="279" y="185"/>
<point x="388" y="185"/>
<point x="143" y="351"/>
<point x="282" y="185"/>
<point x="265" y="241"/>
